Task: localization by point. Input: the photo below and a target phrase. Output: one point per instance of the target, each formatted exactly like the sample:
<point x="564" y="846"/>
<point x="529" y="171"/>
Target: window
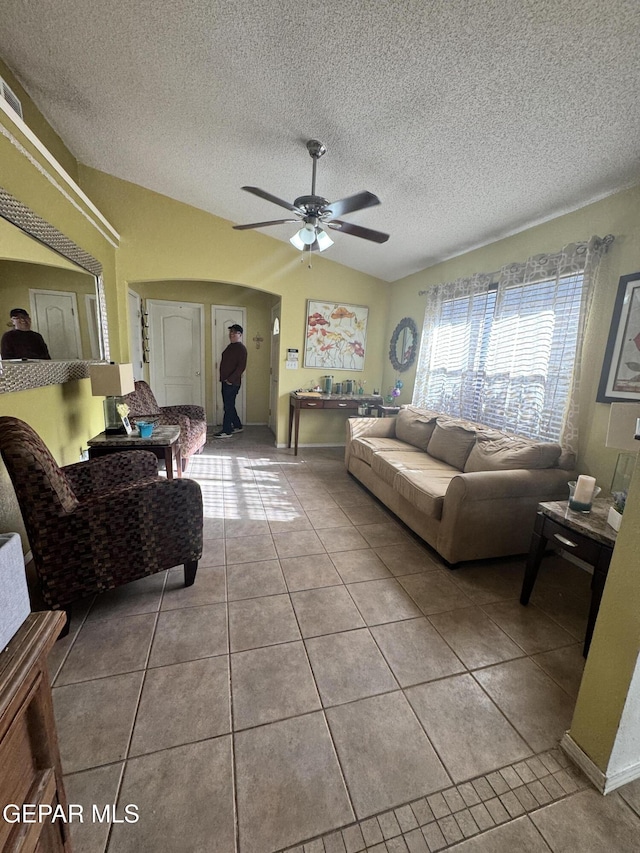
<point x="505" y="356"/>
<point x="505" y="348"/>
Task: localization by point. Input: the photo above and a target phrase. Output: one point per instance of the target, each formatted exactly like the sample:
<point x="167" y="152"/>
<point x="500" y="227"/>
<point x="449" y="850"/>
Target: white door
<point x="274" y="367"/>
<point x="135" y="335"/>
<point x="223" y="316"/>
<point x="176" y="357"/>
<point x="55" y="316"/>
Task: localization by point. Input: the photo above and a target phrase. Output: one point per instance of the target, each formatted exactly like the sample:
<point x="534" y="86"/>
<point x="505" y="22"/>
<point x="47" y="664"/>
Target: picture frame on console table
<point x="620" y="378"/>
<point x="336" y="335"/>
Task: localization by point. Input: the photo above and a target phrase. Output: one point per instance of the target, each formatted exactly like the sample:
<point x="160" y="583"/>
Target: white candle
<point x="585" y="487"/>
<point x="637" y="435"/>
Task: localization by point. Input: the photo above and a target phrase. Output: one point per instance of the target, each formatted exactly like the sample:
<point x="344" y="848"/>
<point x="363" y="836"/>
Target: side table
<point x="585" y="535"/>
<point x="164" y="442"/>
<point x="388" y="411"/>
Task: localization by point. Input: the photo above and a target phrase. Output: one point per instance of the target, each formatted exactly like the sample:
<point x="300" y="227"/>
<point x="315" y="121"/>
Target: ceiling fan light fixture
<point x="323" y="240"/>
<point x="313" y="210"/>
<point x="308" y="234"/>
<point x="297" y="242"/>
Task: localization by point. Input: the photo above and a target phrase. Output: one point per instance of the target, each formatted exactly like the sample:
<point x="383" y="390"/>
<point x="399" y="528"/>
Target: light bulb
<point x="308" y="234"/>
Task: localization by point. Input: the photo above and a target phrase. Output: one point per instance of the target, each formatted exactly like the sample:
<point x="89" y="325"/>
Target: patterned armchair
<point x="97" y="525"/>
<point x="192" y="420"/>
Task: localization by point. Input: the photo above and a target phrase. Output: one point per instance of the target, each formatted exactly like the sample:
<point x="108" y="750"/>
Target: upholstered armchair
<point x="191" y="419"/>
<point x="97" y="525"/>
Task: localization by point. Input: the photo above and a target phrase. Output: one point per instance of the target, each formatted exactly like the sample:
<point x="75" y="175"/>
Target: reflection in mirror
<point x="60" y="286"/>
<point x="404" y="344"/>
<point x="61" y="303"/>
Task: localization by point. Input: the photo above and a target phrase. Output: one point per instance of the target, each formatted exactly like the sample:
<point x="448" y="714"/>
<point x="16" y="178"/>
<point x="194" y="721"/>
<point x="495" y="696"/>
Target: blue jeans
<point x="231" y="419"/>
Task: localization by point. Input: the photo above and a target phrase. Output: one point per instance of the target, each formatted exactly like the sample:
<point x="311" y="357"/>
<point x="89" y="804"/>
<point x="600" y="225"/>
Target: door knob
<point x="197" y="373"/>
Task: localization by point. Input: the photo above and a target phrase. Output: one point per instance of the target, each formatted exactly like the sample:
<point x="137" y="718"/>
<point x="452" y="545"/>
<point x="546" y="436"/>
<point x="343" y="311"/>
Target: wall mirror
<point x="404" y="344"/>
<point x="60" y="286"/>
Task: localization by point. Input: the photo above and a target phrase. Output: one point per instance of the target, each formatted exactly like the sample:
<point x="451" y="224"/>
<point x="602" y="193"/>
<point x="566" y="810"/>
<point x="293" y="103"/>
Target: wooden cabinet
<point x="30" y="770"/>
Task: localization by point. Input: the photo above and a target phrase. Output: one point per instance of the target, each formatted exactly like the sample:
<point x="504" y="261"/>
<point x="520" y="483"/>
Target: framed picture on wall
<point x="620" y="378"/>
<point x="336" y="335"/>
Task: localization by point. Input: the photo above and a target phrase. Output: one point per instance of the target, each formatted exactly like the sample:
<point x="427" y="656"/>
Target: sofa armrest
<point x="491" y="512"/>
<point x="376" y="427"/>
<point x="108" y="472"/>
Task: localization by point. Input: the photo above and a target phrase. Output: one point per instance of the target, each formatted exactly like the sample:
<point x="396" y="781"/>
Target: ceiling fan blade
<point x="268" y="197"/>
<point x="352" y="203"/>
<point x="358" y="231"/>
<point x="263" y="224"/>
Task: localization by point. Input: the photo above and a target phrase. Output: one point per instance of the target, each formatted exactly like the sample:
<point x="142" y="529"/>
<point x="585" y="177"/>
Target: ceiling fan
<point x="313" y="212"/>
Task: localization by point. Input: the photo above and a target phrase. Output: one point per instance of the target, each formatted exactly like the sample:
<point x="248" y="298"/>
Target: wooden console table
<point x="164" y="442"/>
<point x="327" y="403"/>
<point x="29" y="757"/>
<point x="585" y="535"/>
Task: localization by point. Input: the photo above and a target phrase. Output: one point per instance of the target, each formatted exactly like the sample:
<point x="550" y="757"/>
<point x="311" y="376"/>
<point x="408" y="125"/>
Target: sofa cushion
<point x="567" y="460"/>
<point x="387" y="465"/>
<point x="364" y="448"/>
<point x="509" y="452"/>
<point x="425" y="490"/>
<point x="451" y="442"/>
<point x="415" y="426"/>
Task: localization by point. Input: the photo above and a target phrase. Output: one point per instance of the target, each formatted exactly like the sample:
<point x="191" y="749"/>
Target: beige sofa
<point x="469" y="491"/>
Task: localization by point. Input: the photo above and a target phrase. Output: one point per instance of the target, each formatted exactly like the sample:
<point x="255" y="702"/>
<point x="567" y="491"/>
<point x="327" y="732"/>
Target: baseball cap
<point x="236" y="328"/>
<point x="18" y="312"/>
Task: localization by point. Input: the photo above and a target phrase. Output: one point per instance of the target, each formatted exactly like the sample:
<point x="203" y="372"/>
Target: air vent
<point x="10" y="97"/>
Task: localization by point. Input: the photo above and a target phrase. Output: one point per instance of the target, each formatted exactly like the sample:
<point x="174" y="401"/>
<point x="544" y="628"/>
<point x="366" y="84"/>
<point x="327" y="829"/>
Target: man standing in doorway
<point x="232" y="366"/>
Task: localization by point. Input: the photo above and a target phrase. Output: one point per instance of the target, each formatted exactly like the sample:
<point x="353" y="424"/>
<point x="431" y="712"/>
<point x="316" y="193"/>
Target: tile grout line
<point x="570" y="781"/>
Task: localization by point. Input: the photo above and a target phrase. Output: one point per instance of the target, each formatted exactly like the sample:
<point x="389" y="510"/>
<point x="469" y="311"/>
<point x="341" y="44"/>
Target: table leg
<point x="168" y="461"/>
<point x="536" y="551"/>
<point x="291" y="408"/>
<point x="177" y="455"/>
<point x="597" y="587"/>
<point x="297" y="430"/>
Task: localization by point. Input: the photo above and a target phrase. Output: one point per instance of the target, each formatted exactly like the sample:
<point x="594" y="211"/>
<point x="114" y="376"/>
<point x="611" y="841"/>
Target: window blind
<point x="505" y="357"/>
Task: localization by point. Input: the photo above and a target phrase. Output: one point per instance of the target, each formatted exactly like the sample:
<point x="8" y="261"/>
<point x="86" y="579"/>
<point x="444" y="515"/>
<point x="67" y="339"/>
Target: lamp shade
<point x="624" y="426"/>
<point x="111" y="380"/>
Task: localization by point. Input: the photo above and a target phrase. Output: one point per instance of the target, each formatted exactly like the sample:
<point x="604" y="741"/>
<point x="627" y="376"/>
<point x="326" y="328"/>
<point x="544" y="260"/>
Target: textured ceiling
<point x="470" y="120"/>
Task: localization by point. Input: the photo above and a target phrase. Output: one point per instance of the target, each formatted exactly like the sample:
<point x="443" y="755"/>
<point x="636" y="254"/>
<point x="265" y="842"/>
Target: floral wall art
<point x="336" y="335"/>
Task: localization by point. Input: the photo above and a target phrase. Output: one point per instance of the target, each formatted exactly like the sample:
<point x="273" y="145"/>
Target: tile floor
<point x="328" y="686"/>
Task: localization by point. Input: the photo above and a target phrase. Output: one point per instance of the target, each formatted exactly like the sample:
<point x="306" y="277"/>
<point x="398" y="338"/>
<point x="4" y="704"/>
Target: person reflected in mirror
<point x="21" y="341"/>
<point x="232" y="366"/>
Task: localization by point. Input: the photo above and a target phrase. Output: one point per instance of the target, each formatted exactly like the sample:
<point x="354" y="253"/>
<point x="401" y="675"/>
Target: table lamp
<point x="111" y="381"/>
<point x="623" y="433"/>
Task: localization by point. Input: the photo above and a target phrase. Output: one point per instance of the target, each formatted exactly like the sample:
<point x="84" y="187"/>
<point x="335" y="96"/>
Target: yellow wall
<point x="618" y="215"/>
<point x="165" y="239"/>
<point x="42" y="129"/>
<point x="615" y="646"/>
<point x="258" y="313"/>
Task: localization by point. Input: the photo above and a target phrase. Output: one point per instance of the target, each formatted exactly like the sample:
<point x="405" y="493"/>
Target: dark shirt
<point x="233" y="363"/>
<point x="18" y="344"/>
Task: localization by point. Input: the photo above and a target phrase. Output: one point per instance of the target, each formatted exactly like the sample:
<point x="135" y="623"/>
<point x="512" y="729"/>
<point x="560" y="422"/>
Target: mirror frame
<point x="401" y="366"/>
<point x="21" y="377"/>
